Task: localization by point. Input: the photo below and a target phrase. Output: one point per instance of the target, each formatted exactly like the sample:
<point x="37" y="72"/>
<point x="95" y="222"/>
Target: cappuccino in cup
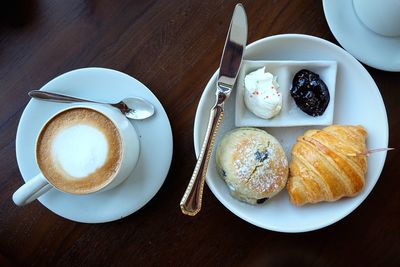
<point x="81" y="150"/>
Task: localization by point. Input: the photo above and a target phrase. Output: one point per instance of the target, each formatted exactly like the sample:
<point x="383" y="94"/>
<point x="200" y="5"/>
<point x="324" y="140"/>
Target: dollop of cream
<point x="261" y="94"/>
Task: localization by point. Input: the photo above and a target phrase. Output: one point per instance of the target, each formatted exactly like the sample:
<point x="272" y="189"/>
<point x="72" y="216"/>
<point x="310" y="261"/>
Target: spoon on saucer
<point x="132" y="107"/>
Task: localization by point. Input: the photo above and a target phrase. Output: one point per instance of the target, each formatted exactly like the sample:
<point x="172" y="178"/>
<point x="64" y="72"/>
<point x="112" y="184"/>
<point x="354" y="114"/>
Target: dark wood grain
<point x="172" y="46"/>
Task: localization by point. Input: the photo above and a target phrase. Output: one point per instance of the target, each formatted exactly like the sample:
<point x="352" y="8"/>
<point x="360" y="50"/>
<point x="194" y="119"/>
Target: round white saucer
<point x="155" y="137"/>
<point x="357" y="101"/>
<point x="373" y="49"/>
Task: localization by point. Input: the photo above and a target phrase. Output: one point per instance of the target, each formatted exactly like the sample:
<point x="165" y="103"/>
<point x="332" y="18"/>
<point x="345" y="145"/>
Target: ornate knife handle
<point x="191" y="201"/>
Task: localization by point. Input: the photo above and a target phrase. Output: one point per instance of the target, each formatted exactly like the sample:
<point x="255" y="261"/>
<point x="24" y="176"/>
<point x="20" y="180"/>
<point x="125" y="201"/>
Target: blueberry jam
<point x="310" y="93"/>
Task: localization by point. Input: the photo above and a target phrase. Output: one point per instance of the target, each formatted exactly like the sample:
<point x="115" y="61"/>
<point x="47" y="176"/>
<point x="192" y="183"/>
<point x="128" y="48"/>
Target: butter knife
<point x="230" y="64"/>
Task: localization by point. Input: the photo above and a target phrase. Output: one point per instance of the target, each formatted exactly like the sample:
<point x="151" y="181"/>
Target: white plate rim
<point x="202" y="103"/>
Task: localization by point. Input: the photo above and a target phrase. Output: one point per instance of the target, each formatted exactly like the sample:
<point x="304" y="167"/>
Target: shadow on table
<point x="17" y="13"/>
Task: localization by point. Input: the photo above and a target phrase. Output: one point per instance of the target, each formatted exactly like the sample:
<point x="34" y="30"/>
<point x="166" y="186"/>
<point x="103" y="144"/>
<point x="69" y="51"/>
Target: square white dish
<point x="290" y="114"/>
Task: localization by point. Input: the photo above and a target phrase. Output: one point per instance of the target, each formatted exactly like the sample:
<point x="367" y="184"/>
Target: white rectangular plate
<point x="290" y="114"/>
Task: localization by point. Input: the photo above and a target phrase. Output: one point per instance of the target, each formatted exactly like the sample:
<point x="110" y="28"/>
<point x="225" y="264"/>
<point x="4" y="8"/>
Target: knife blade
<point x="231" y="61"/>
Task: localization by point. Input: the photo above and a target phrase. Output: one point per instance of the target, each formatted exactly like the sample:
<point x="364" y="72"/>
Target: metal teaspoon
<point x="132" y="107"/>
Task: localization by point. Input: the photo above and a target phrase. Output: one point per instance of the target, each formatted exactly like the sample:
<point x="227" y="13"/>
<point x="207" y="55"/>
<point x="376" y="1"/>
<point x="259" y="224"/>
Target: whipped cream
<point x="261" y="94"/>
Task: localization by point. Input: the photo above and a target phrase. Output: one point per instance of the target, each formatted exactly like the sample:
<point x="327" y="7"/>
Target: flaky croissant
<point x="327" y="164"/>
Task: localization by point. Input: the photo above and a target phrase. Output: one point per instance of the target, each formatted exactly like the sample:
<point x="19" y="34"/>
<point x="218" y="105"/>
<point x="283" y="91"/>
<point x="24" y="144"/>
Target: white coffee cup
<point x="128" y="156"/>
<point x="381" y="16"/>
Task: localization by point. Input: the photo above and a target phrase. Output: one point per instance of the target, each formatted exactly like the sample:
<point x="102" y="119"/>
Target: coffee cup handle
<point x="31" y="190"/>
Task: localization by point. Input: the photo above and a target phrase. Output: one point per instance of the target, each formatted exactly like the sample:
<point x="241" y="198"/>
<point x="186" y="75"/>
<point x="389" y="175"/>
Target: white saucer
<point x="357" y="101"/>
<point x="154" y="134"/>
<point x="373" y="49"/>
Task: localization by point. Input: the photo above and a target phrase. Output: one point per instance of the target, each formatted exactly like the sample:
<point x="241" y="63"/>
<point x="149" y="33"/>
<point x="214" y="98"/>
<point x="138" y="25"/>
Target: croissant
<point x="327" y="164"/>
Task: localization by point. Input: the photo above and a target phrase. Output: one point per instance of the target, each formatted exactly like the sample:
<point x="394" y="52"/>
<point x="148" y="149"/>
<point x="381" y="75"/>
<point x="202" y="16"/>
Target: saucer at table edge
<point x="156" y="146"/>
<point x="353" y="80"/>
<point x="375" y="50"/>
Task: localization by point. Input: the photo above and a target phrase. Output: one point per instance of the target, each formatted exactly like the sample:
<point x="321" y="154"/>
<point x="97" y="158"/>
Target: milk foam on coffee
<point x="80" y="149"/>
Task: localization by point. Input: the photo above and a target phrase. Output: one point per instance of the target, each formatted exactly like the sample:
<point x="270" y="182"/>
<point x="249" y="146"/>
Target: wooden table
<point x="173" y="47"/>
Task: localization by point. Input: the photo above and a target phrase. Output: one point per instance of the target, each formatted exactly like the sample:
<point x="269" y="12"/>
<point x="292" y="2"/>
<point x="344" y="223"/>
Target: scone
<point x="328" y="164"/>
<point x="252" y="163"/>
